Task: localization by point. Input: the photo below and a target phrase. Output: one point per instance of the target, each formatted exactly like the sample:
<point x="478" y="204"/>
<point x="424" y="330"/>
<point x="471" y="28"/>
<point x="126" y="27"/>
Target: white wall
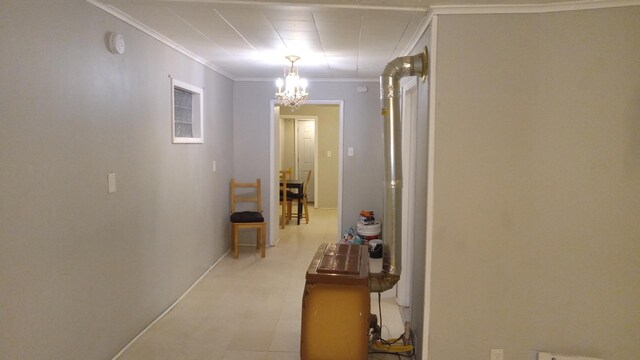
<point x="82" y="271"/>
<point x="536" y="239"/>
<point x="363" y="173"/>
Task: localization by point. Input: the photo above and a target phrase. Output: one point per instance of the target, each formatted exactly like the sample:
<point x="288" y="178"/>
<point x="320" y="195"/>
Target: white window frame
<point x="197" y="115"/>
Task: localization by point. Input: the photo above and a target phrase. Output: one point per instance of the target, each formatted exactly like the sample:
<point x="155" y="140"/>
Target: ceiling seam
<point x="234" y="29"/>
<point x="315" y="23"/>
<point x="196" y="29"/>
<point x="359" y="45"/>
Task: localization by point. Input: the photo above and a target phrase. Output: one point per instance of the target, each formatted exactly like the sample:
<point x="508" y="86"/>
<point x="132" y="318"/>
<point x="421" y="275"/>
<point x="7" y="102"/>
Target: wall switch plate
<point x="213" y="166"/>
<point x="350" y="151"/>
<point x="497" y="354"/>
<point x="111" y="179"/>
<point x="328" y="153"/>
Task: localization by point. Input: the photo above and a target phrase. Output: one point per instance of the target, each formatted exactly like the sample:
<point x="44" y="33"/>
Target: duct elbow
<point x="382" y="281"/>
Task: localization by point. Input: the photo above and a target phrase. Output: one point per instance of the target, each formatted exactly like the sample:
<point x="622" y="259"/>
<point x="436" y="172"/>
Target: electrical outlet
<point x="350" y="151"/>
<point x="497" y="354"/>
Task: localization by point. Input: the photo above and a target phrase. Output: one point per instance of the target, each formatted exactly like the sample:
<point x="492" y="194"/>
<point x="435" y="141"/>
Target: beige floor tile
<point x="278" y="355"/>
<point x="286" y="336"/>
<point x="244" y="355"/>
<point x="254" y="335"/>
<point x="250" y="308"/>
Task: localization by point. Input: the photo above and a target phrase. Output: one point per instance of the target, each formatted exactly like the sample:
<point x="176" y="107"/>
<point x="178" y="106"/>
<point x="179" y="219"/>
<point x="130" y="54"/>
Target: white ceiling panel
<point x="298" y="35"/>
<point x="293" y="25"/>
<point x="204" y="18"/>
<point x="288" y="13"/>
<point x="249" y="39"/>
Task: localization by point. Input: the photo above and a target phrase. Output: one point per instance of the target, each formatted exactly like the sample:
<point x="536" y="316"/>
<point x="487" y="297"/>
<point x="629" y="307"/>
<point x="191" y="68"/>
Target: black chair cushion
<point x="246" y="217"/>
<point x="293" y="195"/>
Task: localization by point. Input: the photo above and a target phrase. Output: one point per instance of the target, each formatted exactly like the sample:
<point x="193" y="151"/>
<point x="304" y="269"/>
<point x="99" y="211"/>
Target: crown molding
<point x="360" y="80"/>
<point x="530" y="8"/>
<point x="510" y="9"/>
<point x="156" y="35"/>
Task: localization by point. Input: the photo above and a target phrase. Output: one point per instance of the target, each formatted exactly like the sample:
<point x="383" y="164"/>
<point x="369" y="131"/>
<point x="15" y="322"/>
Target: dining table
<point x="297" y="185"/>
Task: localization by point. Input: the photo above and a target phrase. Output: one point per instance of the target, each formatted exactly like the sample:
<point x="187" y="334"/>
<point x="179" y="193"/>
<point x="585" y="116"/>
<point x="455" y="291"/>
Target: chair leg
<point x="258" y="237"/>
<point x="306" y="210"/>
<point x="263" y="244"/>
<point x="235" y="241"/>
<point x="288" y="211"/>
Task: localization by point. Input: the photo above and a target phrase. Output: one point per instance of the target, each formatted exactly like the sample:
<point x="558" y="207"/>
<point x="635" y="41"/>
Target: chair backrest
<point x="284" y="176"/>
<point x="239" y="196"/>
<point x="306" y="183"/>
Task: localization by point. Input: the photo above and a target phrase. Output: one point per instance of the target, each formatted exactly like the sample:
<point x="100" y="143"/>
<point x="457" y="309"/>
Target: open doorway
<point x="298" y="151"/>
<point x="308" y="139"/>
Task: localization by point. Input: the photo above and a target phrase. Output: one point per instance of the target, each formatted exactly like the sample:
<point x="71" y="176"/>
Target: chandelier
<point x="295" y="92"/>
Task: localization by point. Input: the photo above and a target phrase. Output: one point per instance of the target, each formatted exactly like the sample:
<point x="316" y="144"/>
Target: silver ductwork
<point x="415" y="65"/>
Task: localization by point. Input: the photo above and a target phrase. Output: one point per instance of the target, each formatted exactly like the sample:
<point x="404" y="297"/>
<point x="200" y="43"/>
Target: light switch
<point x="328" y="153"/>
<point x="213" y="166"/>
<point x="111" y="179"/>
<point x="350" y="151"/>
<point x="497" y="354"/>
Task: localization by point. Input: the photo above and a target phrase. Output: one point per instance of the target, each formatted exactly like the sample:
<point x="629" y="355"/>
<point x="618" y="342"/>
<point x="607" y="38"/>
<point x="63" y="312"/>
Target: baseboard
<point x="168" y="309"/>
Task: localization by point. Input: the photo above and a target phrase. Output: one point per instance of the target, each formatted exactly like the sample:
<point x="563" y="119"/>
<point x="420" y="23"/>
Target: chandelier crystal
<point x="295" y="92"/>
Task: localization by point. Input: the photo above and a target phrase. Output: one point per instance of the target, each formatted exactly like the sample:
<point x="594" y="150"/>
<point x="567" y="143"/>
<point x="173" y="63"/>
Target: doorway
<point x="326" y="151"/>
<point x="298" y="151"/>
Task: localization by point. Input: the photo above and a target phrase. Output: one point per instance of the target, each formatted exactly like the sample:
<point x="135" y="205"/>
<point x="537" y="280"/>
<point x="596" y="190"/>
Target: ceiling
<point x="336" y="39"/>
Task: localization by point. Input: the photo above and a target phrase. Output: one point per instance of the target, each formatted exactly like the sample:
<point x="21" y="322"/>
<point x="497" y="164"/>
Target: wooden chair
<point x="300" y="198"/>
<point x="284" y="175"/>
<point x="247" y="219"/>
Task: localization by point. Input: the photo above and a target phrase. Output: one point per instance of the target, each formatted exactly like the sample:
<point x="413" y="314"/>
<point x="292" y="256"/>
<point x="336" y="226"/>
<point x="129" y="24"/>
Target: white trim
<point x="430" y="187"/>
<point x="156" y="35"/>
<point x="274" y="221"/>
<point x="311" y="80"/>
<point x="531" y="8"/>
<point x="409" y="114"/>
<point x="510" y="9"/>
<point x="313" y="5"/>
<point x="340" y="167"/>
<point x="168" y="309"/>
<point x="315" y="165"/>
<point x="194" y="90"/>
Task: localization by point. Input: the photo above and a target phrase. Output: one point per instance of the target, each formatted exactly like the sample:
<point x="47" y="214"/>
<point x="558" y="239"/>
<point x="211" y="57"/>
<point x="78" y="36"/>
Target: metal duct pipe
<point x="415" y="65"/>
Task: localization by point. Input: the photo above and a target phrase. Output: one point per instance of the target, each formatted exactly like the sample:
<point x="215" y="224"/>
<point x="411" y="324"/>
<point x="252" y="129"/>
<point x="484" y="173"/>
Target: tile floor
<point x="250" y="308"/>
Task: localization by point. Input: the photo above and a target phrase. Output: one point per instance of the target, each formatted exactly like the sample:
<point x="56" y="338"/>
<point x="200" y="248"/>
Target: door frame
<point x="274" y="225"/>
<point x="409" y="90"/>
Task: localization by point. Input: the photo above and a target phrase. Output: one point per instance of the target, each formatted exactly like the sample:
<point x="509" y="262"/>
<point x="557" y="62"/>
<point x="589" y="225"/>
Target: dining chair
<point x="249" y="219"/>
<point x="284" y="176"/>
<point x="300" y="198"/>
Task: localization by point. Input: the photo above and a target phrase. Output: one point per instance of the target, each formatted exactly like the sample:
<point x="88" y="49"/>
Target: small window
<point x="187" y="113"/>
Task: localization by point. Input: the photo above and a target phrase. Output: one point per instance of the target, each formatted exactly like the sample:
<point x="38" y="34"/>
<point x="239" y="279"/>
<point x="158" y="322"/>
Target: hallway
<point x="250" y="308"/>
